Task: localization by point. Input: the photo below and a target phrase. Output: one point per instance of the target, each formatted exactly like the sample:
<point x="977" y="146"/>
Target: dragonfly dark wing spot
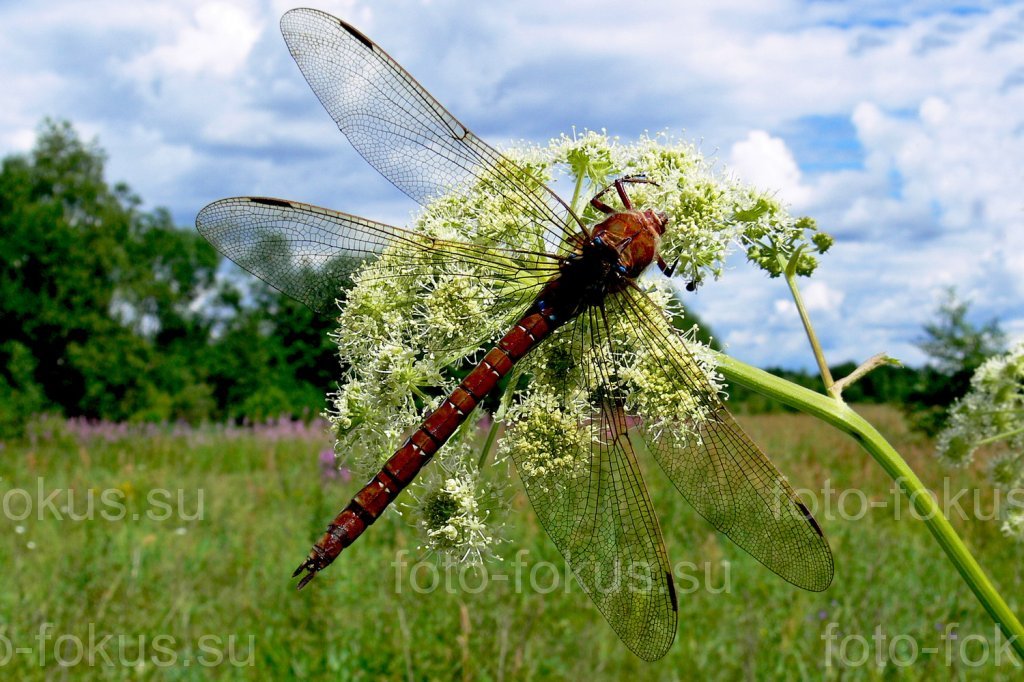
<point x="807" y="515"/>
<point x="271" y="202"/>
<point x="357" y="34"/>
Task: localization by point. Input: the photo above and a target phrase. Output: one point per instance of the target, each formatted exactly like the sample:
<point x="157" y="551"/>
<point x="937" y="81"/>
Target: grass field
<point x="184" y="558"/>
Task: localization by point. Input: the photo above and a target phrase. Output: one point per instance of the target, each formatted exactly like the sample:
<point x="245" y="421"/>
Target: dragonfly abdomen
<point x="403" y="466"/>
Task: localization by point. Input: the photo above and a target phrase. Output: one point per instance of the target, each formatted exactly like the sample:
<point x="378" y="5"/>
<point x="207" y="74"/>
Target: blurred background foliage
<point x="108" y="311"/>
<point x="111" y="312"/>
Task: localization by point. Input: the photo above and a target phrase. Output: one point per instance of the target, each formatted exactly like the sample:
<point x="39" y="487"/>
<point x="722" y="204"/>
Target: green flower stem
<point x="871" y="363"/>
<point x="1001" y="436"/>
<point x="789" y="271"/>
<point x="837" y="413"/>
<point x="489" y="443"/>
<point x="574" y="204"/>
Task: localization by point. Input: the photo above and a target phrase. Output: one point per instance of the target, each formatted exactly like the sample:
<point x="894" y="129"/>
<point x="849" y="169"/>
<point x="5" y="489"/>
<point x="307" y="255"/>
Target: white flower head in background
<point x="992" y="412"/>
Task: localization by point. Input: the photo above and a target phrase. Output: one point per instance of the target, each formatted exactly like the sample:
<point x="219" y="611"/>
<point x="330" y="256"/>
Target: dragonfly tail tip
<point x="307" y="565"/>
<point x="305" y="580"/>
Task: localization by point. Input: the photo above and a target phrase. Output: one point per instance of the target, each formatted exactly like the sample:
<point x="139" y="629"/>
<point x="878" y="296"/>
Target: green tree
<point x="110" y="311"/>
<point x="956" y="347"/>
<point x="99" y="293"/>
<point x="271" y="356"/>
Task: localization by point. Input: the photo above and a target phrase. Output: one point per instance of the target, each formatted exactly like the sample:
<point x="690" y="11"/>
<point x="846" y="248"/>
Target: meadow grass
<point x="166" y="585"/>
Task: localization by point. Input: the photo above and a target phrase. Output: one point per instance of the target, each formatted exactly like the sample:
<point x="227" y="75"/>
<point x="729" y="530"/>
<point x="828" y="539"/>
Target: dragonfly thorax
<point x="629" y="241"/>
<point x="619" y="249"/>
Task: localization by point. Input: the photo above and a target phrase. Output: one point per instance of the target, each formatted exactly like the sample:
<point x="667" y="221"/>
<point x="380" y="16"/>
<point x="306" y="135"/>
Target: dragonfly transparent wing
<point x="713" y="463"/>
<point x="312" y="253"/>
<point x="604" y="525"/>
<point x="403" y="132"/>
<point x="600" y="516"/>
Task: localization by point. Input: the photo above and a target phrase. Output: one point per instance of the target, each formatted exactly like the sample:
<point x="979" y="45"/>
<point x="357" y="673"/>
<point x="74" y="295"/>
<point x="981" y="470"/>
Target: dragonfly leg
<point x="620" y="189"/>
<point x="664" y="266"/>
<point x="600" y="205"/>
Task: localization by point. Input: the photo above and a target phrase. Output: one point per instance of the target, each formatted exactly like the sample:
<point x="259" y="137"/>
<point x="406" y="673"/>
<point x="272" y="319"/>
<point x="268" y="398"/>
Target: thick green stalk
<point x="789" y="273"/>
<point x="837" y="413"/>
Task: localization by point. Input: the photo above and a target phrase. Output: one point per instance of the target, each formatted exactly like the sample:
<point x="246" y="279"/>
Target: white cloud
<point x="766" y="161"/>
<point x="784" y="307"/>
<point x="820" y="297"/>
<point x="167" y="162"/>
<point x="18" y="139"/>
<point x="215" y="40"/>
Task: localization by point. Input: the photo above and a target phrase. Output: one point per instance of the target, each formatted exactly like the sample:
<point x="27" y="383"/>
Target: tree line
<point x="108" y="311"/>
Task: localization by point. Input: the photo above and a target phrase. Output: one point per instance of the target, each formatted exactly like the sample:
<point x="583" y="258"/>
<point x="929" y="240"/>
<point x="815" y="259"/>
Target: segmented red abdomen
<point x="399" y="471"/>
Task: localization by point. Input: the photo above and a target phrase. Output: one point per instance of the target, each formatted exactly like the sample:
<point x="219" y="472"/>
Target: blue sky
<point x="899" y="126"/>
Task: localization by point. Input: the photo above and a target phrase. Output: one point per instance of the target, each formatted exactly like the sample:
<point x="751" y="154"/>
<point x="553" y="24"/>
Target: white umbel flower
<point x="406" y="329"/>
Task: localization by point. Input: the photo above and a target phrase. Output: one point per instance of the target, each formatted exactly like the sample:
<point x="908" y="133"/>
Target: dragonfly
<point x="600" y="519"/>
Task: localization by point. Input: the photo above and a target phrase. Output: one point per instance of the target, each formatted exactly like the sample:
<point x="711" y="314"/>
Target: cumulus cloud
<point x="216" y="40"/>
<point x="820" y="297"/>
<point x="766" y="161"/>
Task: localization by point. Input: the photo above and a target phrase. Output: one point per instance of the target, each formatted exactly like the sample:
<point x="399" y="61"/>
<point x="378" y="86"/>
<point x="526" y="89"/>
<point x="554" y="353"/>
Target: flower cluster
<point x="992" y="412"/>
<point x="544" y="436"/>
<point x="417" y="318"/>
<point x="709" y="213"/>
<point x="453" y="507"/>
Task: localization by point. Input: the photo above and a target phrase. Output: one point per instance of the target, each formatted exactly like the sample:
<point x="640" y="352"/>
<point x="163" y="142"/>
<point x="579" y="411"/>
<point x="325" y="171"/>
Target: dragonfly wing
<point x="604" y="525"/>
<point x="715" y="465"/>
<point x="601" y="517"/>
<point x="403" y="132"/>
<point x="312" y="253"/>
